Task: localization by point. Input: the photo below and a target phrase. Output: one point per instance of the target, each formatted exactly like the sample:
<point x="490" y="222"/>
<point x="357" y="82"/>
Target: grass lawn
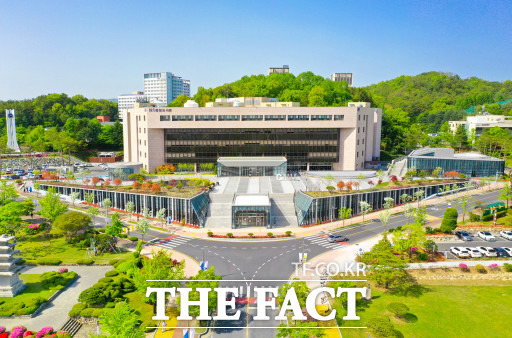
<point x="144" y="310"/>
<point x="34" y="288"/>
<point x="443" y="311"/>
<point x="37" y="247"/>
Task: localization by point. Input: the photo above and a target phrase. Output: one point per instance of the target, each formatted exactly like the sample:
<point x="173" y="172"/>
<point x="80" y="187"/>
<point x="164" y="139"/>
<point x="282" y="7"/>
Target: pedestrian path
<point x="170" y="242"/>
<point x="322" y="241"/>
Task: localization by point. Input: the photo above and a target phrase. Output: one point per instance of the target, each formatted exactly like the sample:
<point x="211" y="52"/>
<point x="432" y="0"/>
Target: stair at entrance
<point x="283" y="210"/>
<point x="219" y="211"/>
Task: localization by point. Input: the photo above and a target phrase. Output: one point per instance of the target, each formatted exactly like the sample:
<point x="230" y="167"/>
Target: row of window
<point x="252" y="117"/>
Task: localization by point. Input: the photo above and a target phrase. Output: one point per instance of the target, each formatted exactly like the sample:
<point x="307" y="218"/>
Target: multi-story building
<point x="127" y="101"/>
<point x="338" y="77"/>
<point x="162" y="88"/>
<point x="310" y="138"/>
<point x="250" y="102"/>
<point x="279" y="70"/>
<point x="479" y="123"/>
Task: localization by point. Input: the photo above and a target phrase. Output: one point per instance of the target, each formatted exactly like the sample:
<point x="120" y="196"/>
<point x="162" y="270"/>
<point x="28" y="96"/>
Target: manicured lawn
<point x="443" y="311"/>
<point x="34" y="288"/>
<point x="37" y="247"/>
<point x="144" y="310"/>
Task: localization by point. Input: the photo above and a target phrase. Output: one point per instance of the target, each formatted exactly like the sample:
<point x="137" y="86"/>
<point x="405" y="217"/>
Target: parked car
<point x="486" y="236"/>
<point x="474" y="252"/>
<point x="459" y="251"/>
<point x="337" y="238"/>
<point x="508" y="250"/>
<point x="501" y="252"/>
<point x="487" y="251"/>
<point x="463" y="235"/>
<point x="506" y="234"/>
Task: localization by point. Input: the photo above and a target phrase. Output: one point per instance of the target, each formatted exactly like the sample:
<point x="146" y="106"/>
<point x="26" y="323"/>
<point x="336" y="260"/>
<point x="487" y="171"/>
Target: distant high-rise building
<point x="338" y="77"/>
<point x="279" y="70"/>
<point x="127" y="101"/>
<point x="162" y="88"/>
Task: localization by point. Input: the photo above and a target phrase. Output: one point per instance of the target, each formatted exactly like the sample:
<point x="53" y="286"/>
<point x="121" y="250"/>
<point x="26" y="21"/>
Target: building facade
<point x="338" y="77"/>
<point x="479" y="123"/>
<point x="310" y="138"/>
<point x="162" y="88"/>
<point x="279" y="70"/>
<point x="127" y="101"/>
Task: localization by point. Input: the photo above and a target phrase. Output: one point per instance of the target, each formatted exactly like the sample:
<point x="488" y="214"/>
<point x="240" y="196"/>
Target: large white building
<point x="162" y="88"/>
<point x="127" y="101"/>
<point x="479" y="123"/>
<point x="338" y="77"/>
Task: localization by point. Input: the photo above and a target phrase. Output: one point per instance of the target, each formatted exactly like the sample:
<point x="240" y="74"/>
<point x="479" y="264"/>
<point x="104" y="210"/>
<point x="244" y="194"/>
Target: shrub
<point x="288" y="233"/>
<point x="480" y="268"/>
<point x="111" y="273"/>
<point x="382" y="327"/>
<point x="87" y="312"/>
<point x="136" y="254"/>
<point x="250" y="234"/>
<point x="105" y="280"/>
<point x="398" y="309"/>
<point x="210" y="234"/>
<point x="133" y="238"/>
<point x="508" y="267"/>
<point x="86" y="261"/>
<point x="494" y="268"/>
<point x="113" y="261"/>
<point x="436" y="230"/>
<point x="449" y="222"/>
<point x="18" y="332"/>
<point x="52" y="279"/>
<point x="429" y="230"/>
<point x="269" y="234"/>
<point x="422" y="256"/>
<point x="2" y="329"/>
<point x="77" y="308"/>
<point x="97" y="312"/>
<point x="63" y="270"/>
<point x="229" y="234"/>
<point x="123" y="236"/>
<point x="93" y="296"/>
<point x="463" y="267"/>
<point x="110" y="305"/>
<point x="44" y="331"/>
<point x="49" y="261"/>
<point x="473" y="217"/>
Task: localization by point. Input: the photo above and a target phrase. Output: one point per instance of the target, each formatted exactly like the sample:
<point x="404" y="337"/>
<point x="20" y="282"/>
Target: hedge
<point x="49" y="261"/>
<point x="133" y="238"/>
<point x="86" y="261"/>
<point x="490" y="217"/>
<point x="111" y="273"/>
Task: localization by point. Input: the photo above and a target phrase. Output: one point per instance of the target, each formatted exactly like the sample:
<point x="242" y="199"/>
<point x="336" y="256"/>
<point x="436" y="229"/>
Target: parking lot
<point x="444" y="247"/>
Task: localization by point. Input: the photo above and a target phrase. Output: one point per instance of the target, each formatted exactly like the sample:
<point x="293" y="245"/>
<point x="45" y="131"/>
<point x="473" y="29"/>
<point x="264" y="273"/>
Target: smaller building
<point x="471" y="164"/>
<point x="279" y="70"/>
<point x="250" y="210"/>
<point x="338" y="77"/>
<point x="128" y="101"/>
<point x="251" y="166"/>
<point x="482" y="122"/>
<point x="255" y="102"/>
<point x="123" y="169"/>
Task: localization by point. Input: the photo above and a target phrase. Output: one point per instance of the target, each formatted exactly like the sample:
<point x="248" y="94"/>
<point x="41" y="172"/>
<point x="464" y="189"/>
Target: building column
<point x="307" y="166"/>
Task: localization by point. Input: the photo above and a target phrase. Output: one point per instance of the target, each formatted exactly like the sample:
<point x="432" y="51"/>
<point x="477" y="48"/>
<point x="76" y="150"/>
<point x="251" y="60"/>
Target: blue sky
<point x="102" y="48"/>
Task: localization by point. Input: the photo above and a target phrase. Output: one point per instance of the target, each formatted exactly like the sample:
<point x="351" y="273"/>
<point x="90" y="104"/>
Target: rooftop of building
<point x="253" y="200"/>
<point x="449" y="153"/>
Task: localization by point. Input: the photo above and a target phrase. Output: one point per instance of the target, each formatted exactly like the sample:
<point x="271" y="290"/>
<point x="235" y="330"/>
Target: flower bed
<point x="21" y="331"/>
<point x="255" y="236"/>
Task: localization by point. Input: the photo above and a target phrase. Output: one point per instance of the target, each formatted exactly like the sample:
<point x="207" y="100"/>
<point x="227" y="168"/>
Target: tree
<point x="161" y="266"/>
<point x="404" y="198"/>
<point x="380" y="174"/>
<point x="93" y="212"/>
<point x="73" y="197"/>
<point x="130" y="208"/>
<point x="365" y="208"/>
<point x="301" y="290"/>
<point x="329" y="178"/>
<point x="203" y="279"/>
<point x="410" y="236"/>
<point x="70" y="224"/>
<point x="382" y="327"/>
<point x="89" y="197"/>
<point x="121" y="322"/>
<point x="51" y="206"/>
<point x="116" y="227"/>
<point x="419" y="195"/>
<point x="155" y="188"/>
<point x="8" y="192"/>
<point x="449" y="222"/>
<point x="464" y="202"/>
<point x="118" y="182"/>
<point x="344" y="213"/>
<point x="506" y="193"/>
<point x="10" y="217"/>
<point x="107" y="203"/>
<point x="28" y="206"/>
<point x="384" y="216"/>
<point x="142" y="227"/>
<point x="388" y="202"/>
<point x="161" y="215"/>
<point x="341" y="185"/>
<point x="330" y="188"/>
<point x="461" y="137"/>
<point x="385" y="268"/>
<point x="95" y="180"/>
<point x="437" y="172"/>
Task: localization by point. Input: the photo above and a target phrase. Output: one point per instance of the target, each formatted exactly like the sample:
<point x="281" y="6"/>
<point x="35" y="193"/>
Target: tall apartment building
<point x="279" y="70"/>
<point x="310" y="138"/>
<point x="338" y="77"/>
<point x="162" y="88"/>
<point x="127" y="101"/>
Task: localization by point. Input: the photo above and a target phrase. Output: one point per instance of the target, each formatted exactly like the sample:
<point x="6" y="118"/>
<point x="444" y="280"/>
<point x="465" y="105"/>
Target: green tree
<point x="93" y="212"/>
<point x="142" y="227"/>
<point x="344" y="213"/>
<point x="410" y="236"/>
<point x="298" y="331"/>
<point x="161" y="215"/>
<point x="506" y="193"/>
<point x="28" y="206"/>
<point x="449" y="222"/>
<point x="365" y="208"/>
<point x="419" y="196"/>
<point x="116" y="227"/>
<point x="120" y="322"/>
<point x="51" y="206"/>
<point x="70" y="224"/>
<point x="179" y="101"/>
<point x="161" y="266"/>
<point x="130" y="208"/>
<point x="461" y="137"/>
<point x="8" y="192"/>
<point x="382" y="327"/>
<point x="203" y="279"/>
<point x="301" y="290"/>
<point x="10" y="217"/>
<point x="384" y="216"/>
<point x="107" y="203"/>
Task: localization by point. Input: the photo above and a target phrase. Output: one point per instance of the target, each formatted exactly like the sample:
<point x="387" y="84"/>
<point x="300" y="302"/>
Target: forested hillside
<point x="59" y="122"/>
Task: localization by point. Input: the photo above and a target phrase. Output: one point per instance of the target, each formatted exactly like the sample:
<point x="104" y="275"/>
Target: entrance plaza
<point x="251" y="210"/>
<point x="251" y="166"/>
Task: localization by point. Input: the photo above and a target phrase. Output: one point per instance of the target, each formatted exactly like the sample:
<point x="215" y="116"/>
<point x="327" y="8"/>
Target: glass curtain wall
<point x="471" y="168"/>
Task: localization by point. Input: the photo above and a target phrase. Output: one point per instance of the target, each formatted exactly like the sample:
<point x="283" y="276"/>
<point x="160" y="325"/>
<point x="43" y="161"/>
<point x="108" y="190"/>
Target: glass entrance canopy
<point x="250" y="210"/>
<point x="251" y="166"/>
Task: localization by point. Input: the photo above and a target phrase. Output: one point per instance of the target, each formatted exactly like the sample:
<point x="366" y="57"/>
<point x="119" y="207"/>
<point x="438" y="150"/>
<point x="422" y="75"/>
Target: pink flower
<point x="63" y="270"/>
<point x="44" y="331"/>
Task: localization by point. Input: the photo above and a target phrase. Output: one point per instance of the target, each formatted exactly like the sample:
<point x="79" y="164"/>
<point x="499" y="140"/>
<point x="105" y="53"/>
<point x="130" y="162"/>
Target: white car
<point x="473" y="252"/>
<point x="487" y="251"/>
<point x="459" y="251"/>
<point x="509" y="250"/>
<point x="506" y="234"/>
<point x="486" y="236"/>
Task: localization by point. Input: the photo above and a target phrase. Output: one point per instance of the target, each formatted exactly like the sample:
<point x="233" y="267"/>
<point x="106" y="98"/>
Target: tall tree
<point x="51" y="206"/>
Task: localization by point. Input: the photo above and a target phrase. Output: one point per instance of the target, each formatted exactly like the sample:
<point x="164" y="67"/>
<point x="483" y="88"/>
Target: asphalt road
<point x="244" y="264"/>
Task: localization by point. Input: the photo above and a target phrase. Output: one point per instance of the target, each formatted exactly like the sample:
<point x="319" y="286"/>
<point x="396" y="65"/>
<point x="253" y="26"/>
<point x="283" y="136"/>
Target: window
<point x="298" y="117"/>
<point x="357" y="142"/>
<point x="363" y="141"/>
<point x="321" y="117"/>
<point x="165" y="117"/>
<point x="252" y="117"/>
<point x="275" y="117"/>
<point x="229" y="117"/>
<point x="206" y="118"/>
<point x="183" y="117"/>
<point x="363" y="129"/>
<point x="359" y="117"/>
<point x="144" y="117"/>
<point x="358" y="130"/>
<point x="357" y="154"/>
<point x="339" y="117"/>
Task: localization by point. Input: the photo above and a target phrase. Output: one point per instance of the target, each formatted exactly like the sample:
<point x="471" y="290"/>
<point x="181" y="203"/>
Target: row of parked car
<point x="480" y="251"/>
<point x="485" y="235"/>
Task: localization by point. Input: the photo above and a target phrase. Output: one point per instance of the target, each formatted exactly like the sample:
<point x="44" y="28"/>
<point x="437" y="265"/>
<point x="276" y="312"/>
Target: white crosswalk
<point x="321" y="241"/>
<point x="172" y="243"/>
